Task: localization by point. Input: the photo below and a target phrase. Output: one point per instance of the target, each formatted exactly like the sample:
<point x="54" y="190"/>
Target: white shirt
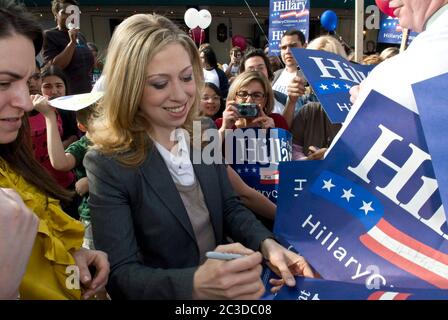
<point x="278" y="107"/>
<point x="178" y="160"/>
<point x="281" y="85"/>
<point x="425" y="58"/>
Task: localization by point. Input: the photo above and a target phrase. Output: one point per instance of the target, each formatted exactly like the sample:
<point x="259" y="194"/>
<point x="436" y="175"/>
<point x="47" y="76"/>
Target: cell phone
<point x="248" y="110"/>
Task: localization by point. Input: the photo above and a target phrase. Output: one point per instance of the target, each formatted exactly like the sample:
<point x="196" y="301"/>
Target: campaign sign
<point x="432" y="103"/>
<point x="255" y="153"/>
<point x="319" y="289"/>
<point x="392" y="32"/>
<point x="285" y="15"/>
<point x="331" y="78"/>
<point x="371" y="211"/>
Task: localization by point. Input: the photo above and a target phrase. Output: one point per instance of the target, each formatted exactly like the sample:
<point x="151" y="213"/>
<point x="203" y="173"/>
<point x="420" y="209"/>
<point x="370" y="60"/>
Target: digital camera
<point x="248" y="110"/>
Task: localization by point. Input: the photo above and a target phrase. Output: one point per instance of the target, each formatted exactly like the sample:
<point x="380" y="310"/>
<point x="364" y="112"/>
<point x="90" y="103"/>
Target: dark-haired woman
<point x="40" y="251"/>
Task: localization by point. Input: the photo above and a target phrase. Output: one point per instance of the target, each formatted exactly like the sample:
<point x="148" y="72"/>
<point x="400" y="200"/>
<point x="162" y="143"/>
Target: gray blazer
<point x="139" y="220"/>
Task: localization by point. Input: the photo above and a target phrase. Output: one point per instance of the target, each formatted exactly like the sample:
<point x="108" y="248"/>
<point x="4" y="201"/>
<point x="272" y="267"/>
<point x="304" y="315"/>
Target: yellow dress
<point x="48" y="275"/>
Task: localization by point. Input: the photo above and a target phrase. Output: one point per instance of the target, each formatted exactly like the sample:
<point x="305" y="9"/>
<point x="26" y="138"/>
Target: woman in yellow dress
<point x="40" y="246"/>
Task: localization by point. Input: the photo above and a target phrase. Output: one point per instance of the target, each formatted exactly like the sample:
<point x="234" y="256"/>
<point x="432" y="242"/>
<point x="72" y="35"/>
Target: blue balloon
<point x="329" y="20"/>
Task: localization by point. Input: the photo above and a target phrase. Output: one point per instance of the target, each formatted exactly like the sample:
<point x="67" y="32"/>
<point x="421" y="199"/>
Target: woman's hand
<point x="230" y="115"/>
<point x="284" y="263"/>
<point x="95" y="258"/>
<point x="263" y="120"/>
<point x="235" y="279"/>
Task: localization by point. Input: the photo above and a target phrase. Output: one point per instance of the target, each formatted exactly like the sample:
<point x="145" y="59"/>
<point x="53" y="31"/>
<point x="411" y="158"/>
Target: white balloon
<point x="191" y="18"/>
<point x="205" y="19"/>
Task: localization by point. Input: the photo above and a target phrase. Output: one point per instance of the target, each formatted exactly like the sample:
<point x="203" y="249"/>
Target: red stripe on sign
<point x="402" y="296"/>
<point x="403" y="263"/>
<point x="399" y="236"/>
<point x="376" y="295"/>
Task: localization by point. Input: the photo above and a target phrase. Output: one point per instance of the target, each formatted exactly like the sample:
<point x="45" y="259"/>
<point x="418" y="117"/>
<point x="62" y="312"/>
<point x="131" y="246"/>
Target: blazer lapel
<point x="159" y="178"/>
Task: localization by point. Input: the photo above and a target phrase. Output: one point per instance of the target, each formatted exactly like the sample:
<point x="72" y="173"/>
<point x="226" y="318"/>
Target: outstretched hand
<point x="285" y="263"/>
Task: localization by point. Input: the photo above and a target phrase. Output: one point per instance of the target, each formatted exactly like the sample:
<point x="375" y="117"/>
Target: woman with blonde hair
<point x="250" y="87"/>
<point x="153" y="211"/>
<point x="389" y="53"/>
<point x="329" y="44"/>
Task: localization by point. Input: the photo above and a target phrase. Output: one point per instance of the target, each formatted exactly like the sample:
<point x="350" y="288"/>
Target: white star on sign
<point x="348" y="194"/>
<point x="366" y="207"/>
<point x="246" y="170"/>
<point x="347" y="86"/>
<point x="239" y="170"/>
<point x="335" y="85"/>
<point x="324" y="87"/>
<point x="328" y="185"/>
<point x="254" y="170"/>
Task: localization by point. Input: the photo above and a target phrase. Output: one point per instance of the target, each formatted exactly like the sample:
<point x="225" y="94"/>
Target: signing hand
<point x="236" y="279"/>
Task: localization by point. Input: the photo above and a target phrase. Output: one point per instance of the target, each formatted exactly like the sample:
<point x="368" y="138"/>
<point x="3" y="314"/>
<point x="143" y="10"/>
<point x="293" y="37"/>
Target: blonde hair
<point x="389" y="53"/>
<point x="122" y="128"/>
<point x="244" y="79"/>
<point x="372" y="59"/>
<point x="329" y="44"/>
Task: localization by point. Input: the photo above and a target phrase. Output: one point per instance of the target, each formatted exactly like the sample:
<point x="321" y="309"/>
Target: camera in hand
<point x="247" y="110"/>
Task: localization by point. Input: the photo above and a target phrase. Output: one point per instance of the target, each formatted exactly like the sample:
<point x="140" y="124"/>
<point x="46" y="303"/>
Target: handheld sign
<point x="432" y="103"/>
<point x="319" y="289"/>
<point x="255" y="154"/>
<point x="391" y="31"/>
<point x="331" y="78"/>
<point x="76" y="102"/>
<point x="286" y="15"/>
<point x="372" y="207"/>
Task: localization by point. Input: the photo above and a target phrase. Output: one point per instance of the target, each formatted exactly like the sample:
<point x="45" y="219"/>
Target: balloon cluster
<point x="197" y="21"/>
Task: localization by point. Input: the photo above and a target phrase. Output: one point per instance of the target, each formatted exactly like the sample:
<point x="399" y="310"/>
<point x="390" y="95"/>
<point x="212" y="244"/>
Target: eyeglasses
<point x="253" y="95"/>
<point x="289" y="45"/>
<point x="214" y="98"/>
<point x="260" y="67"/>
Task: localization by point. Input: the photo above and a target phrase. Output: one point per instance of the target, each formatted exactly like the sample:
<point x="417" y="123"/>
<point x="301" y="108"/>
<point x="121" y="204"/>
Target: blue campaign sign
<point x="372" y="207"/>
<point x="331" y="78"/>
<point x="286" y="15"/>
<point x="391" y="31"/>
<point x="255" y="154"/>
<point x="319" y="289"/>
<point x="432" y="103"/>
